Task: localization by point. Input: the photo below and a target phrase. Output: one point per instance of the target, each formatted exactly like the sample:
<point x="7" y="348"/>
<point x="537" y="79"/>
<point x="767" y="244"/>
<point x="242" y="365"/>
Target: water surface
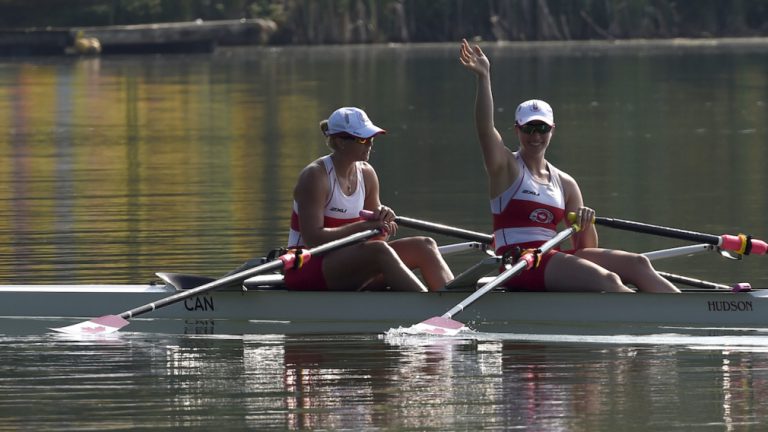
<point x="378" y="382"/>
<point x="114" y="168"/>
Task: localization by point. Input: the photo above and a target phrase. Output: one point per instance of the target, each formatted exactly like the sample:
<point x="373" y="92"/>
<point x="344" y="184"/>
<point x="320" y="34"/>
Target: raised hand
<point x="473" y="58"/>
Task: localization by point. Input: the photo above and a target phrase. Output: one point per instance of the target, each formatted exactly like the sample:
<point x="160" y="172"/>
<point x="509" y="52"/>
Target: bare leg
<point x="631" y="267"/>
<point x="421" y="253"/>
<point x="354" y="266"/>
<point x="571" y="273"/>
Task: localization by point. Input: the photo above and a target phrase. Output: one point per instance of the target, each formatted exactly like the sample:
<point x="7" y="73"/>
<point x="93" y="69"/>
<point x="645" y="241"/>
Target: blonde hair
<point x="330" y="140"/>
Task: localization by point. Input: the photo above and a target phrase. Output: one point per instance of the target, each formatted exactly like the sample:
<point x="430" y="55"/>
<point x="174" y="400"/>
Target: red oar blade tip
<point x="98" y="326"/>
<point x="438" y="326"/>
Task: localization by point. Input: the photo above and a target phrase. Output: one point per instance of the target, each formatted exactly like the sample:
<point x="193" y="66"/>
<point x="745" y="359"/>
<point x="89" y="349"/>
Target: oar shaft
<point x="741" y="244"/>
<point x="237" y="277"/>
<point x="658" y="230"/>
<point x="507" y="274"/>
<point x="698" y="283"/>
<point x="511" y="272"/>
<point x="444" y="229"/>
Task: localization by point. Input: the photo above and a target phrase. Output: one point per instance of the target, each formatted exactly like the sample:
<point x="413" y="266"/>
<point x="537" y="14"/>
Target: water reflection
<point x="114" y="168"/>
<point x="364" y="382"/>
<point x="491" y="383"/>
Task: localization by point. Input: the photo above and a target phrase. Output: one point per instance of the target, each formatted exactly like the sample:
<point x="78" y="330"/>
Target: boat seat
<point x="270" y="281"/>
<point x="470" y="277"/>
<point x="182" y="281"/>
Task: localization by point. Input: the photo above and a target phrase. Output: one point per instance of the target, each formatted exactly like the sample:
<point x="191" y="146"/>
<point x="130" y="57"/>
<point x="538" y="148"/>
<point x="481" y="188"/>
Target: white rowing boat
<point x="253" y="300"/>
<point x="268" y="309"/>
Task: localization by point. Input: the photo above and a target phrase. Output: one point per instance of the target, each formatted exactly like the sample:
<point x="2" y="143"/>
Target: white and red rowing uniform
<point x="526" y="215"/>
<point x="340" y="209"/>
<point x="529" y="210"/>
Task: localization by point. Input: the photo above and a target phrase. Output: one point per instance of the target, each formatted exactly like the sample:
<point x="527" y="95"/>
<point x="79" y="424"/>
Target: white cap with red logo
<point x="534" y="109"/>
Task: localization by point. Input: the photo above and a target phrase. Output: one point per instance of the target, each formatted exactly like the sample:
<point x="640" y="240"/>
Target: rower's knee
<point x="428" y="244"/>
<point x="431" y="243"/>
<point x="638" y="267"/>
<point x="611" y="282"/>
<point x="420" y="244"/>
<point x="642" y="261"/>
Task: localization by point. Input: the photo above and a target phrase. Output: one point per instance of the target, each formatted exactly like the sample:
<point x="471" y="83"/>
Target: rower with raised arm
<point x="328" y="198"/>
<point x="530" y="197"/>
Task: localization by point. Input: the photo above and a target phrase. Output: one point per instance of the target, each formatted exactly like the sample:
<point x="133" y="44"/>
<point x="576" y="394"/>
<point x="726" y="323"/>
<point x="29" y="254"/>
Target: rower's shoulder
<point x="504" y="172"/>
<point x="565" y="178"/>
<point x="569" y="184"/>
<point x="366" y="167"/>
<point x="313" y="175"/>
<point x="314" y="168"/>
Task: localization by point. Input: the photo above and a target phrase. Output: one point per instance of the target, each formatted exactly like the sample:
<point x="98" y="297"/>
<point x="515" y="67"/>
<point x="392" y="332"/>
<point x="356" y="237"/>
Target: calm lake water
<point x="114" y="168"/>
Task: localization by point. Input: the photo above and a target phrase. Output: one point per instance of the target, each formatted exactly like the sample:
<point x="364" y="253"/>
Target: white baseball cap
<point x="353" y="121"/>
<point x="534" y="109"/>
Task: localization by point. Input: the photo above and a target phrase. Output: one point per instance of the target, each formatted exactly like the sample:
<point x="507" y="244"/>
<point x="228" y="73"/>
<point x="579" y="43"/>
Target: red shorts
<point x="531" y="279"/>
<point x="307" y="278"/>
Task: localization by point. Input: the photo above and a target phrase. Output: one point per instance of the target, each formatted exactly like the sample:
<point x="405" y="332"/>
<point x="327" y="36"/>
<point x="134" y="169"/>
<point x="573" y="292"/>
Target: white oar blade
<point x="102" y="325"/>
<point x="438" y="326"/>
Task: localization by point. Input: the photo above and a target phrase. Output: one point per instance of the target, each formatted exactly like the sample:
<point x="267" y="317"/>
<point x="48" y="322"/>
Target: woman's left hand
<point x="387" y="216"/>
<point x="585" y="216"/>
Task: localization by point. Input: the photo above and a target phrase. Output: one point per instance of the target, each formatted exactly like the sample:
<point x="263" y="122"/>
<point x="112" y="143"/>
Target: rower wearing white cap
<point x="328" y="199"/>
<point x="530" y="197"/>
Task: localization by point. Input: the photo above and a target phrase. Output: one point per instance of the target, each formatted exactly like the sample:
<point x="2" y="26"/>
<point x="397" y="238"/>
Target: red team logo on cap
<point x="542" y="216"/>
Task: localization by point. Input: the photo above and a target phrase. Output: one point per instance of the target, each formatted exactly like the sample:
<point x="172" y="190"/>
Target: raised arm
<point x="496" y="156"/>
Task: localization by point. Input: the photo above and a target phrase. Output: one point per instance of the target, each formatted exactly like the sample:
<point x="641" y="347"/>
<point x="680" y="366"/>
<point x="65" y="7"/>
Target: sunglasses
<point x="541" y="128"/>
<point x="358" y="140"/>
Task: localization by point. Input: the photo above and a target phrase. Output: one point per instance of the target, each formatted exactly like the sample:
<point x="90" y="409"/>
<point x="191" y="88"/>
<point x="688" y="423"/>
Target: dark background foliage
<point x="364" y="21"/>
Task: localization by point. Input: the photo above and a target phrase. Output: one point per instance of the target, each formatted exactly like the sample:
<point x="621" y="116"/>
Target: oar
<point x="698" y="283"/>
<point x="112" y="323"/>
<point x="445" y="325"/>
<point x="444" y="229"/>
<point x="741" y="244"/>
<point x="437" y="228"/>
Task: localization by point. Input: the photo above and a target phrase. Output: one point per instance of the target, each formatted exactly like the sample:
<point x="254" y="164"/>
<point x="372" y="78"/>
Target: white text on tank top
<point x="340" y="209"/>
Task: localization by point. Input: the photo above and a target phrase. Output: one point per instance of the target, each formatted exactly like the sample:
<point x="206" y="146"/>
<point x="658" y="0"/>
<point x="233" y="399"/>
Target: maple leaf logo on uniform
<point x="542" y="216"/>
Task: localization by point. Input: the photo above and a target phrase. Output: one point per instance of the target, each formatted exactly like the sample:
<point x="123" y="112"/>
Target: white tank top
<point x="340" y="209"/>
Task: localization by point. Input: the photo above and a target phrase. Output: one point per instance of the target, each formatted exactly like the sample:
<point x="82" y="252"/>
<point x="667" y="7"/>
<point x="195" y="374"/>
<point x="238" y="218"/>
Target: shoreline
<point x="210" y="36"/>
<point x="574" y="47"/>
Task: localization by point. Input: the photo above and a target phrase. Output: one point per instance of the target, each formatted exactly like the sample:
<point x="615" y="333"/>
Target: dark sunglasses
<point x="541" y="128"/>
<point x="358" y="140"/>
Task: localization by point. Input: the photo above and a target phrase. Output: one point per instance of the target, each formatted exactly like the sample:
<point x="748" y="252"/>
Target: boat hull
<point x="281" y="311"/>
